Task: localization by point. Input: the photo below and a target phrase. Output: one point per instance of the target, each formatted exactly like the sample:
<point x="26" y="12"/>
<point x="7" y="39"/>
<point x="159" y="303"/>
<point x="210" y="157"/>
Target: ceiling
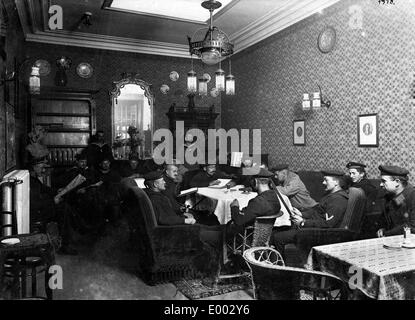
<point x="246" y="22"/>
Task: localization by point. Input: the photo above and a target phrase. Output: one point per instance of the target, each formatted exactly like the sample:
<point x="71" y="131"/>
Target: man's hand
<point x="189" y="215"/>
<point x="235" y="203"/>
<point x="57" y="199"/>
<point x="214" y="183"/>
<point x="297" y="220"/>
<point x="380" y="233"/>
<point x="189" y="221"/>
<point x="297" y="212"/>
<point x="230" y="184"/>
<point x="81" y="191"/>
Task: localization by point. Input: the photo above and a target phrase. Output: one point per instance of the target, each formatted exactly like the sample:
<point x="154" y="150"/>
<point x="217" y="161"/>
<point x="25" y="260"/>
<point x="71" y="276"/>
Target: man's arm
<point x="332" y="217"/>
<point x="410" y="219"/>
<point x="292" y="188"/>
<point x="247" y="215"/>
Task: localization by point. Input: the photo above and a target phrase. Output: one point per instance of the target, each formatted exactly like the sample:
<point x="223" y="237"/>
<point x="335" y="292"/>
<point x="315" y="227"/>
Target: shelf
<point x="55" y="114"/>
<point x="65" y="129"/>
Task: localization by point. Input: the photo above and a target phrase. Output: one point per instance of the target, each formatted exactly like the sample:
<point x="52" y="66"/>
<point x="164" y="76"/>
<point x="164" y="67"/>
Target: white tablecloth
<point x="224" y="198"/>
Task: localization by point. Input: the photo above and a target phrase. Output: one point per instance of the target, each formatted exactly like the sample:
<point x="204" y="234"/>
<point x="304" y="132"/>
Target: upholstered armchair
<point x="165" y="253"/>
<point x="349" y="229"/>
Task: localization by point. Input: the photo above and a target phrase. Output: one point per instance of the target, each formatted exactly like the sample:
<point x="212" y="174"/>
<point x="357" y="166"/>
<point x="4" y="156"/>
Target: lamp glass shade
<point x="191" y="81"/>
<point x="316" y="103"/>
<point x="230" y="85"/>
<point x="220" y="79"/>
<point x="202" y="87"/>
<point x="34" y="81"/>
<point x="211" y="56"/>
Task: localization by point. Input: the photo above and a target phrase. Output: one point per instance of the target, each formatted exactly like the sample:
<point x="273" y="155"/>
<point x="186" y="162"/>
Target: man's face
<point x="389" y="184"/>
<point x="100" y="136"/>
<point x="210" y="169"/>
<point x="281" y="175"/>
<point x="330" y="183"/>
<point x="105" y="165"/>
<point x="172" y="172"/>
<point x="81" y="163"/>
<point x="133" y="164"/>
<point x="356" y="175"/>
<point x="160" y="184"/>
<point x="39" y="169"/>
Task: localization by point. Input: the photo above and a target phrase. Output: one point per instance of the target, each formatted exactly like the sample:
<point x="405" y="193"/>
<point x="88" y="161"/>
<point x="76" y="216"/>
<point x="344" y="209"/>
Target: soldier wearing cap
<point x="399" y="206"/>
<point x="327" y="214"/>
<point x="163" y="209"/>
<point x="359" y="179"/>
<point x="265" y="204"/>
<point x="291" y="185"/>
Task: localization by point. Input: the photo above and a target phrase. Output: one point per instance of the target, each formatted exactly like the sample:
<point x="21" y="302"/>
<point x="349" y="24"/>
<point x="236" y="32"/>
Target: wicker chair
<point x="272" y="280"/>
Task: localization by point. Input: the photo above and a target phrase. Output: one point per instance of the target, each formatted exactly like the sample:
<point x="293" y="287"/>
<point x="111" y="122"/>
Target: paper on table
<point x="222" y="184"/>
<point x="188" y="191"/>
<point x="140" y="183"/>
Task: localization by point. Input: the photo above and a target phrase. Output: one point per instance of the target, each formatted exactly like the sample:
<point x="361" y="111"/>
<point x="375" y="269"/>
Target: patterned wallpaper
<point x="370" y="70"/>
<point x="108" y="67"/>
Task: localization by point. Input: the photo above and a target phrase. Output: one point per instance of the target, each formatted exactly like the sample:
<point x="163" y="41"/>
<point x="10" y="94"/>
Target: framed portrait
<point x="299" y="132"/>
<point x="368" y="130"/>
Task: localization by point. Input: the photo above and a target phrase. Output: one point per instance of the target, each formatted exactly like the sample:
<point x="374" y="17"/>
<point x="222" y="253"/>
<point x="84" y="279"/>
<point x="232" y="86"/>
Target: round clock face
<point x="327" y="39"/>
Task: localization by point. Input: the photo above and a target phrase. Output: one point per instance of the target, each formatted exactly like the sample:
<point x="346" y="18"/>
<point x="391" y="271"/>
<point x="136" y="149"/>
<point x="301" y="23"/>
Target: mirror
<point x="132" y="118"/>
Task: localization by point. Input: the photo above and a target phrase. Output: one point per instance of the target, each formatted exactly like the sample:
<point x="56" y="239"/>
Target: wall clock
<point x="327" y="39"/>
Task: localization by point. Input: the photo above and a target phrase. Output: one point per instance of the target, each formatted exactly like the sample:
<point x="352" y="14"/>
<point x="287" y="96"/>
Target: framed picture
<point x="299" y="132"/>
<point x="367" y="130"/>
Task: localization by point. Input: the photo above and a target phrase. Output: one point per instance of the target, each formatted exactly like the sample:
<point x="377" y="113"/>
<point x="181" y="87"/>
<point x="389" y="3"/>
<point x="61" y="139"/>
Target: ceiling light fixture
<point x="214" y="47"/>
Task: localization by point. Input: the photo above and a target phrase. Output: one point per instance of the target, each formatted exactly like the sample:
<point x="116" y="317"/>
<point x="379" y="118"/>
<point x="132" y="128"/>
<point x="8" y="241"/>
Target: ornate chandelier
<point x="212" y="49"/>
<point x="215" y="44"/>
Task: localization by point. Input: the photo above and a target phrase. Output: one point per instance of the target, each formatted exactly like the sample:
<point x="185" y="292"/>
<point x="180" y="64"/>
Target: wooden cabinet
<point x="69" y="116"/>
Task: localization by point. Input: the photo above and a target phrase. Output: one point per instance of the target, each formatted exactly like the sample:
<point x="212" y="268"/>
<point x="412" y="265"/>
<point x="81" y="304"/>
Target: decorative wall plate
<point x="44" y="67"/>
<point x="214" y="92"/>
<point x="174" y="76"/>
<point x="84" y="70"/>
<point x="207" y="77"/>
<point x="327" y="39"/>
<point x="164" y="89"/>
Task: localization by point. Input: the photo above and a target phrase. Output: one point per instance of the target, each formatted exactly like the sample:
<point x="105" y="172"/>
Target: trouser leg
<point x="280" y="238"/>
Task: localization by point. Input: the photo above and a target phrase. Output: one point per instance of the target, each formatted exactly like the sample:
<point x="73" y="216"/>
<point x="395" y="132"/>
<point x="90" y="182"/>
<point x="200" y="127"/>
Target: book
<point x="222" y="184"/>
<point x="188" y="191"/>
<point x="140" y="183"/>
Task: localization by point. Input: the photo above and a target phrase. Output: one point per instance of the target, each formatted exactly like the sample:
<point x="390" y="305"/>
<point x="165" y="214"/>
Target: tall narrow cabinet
<point x="69" y="115"/>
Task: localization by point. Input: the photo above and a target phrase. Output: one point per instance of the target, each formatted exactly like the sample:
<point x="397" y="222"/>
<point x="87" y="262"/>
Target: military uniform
<point x="399" y="209"/>
<point x="171" y="192"/>
<point x="165" y="214"/>
<point x="297" y="192"/>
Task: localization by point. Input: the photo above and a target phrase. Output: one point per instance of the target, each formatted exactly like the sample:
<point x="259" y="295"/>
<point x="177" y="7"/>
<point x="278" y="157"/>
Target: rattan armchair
<point x="272" y="280"/>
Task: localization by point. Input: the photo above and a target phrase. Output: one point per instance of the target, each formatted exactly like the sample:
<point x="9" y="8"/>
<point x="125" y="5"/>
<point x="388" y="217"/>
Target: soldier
<point x="399" y="206"/>
<point x="291" y="185"/>
<point x="327" y="214"/>
<point x="359" y="179"/>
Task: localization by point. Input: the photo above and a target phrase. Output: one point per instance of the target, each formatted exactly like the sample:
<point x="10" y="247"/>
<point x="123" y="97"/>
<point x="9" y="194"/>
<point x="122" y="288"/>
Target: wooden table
<point x="366" y="265"/>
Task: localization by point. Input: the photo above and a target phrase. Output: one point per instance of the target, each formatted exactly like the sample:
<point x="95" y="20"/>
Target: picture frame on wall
<point x="299" y="132"/>
<point x="368" y="130"/>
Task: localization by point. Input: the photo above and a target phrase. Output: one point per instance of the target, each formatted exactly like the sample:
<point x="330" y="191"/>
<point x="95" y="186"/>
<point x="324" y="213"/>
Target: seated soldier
<point x="46" y="207"/>
<point x="171" y="178"/>
<point x="359" y="179"/>
<point x="131" y="169"/>
<point x="327" y="214"/>
<point x="291" y="185"/>
<point x="399" y="205"/>
<point x="163" y="209"/>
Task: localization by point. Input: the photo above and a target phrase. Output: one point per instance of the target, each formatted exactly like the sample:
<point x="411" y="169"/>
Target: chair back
<point x="141" y="218"/>
<point x="353" y="216"/>
<point x="262" y="230"/>
<point x="272" y="280"/>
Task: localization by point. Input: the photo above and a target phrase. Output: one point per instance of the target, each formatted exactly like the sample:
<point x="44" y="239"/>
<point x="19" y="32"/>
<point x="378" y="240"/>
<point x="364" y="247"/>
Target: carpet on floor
<point x="196" y="289"/>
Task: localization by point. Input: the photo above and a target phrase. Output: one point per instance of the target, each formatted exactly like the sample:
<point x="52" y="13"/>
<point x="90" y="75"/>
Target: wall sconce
<point x="34" y="78"/>
<point x="317" y="102"/>
<point x="202" y="86"/>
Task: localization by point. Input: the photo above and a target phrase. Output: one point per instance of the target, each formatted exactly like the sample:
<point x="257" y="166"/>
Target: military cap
<point x="393" y="171"/>
<point x="332" y="173"/>
<point x="153" y="175"/>
<point x="355" y="165"/>
<point x="280" y="167"/>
